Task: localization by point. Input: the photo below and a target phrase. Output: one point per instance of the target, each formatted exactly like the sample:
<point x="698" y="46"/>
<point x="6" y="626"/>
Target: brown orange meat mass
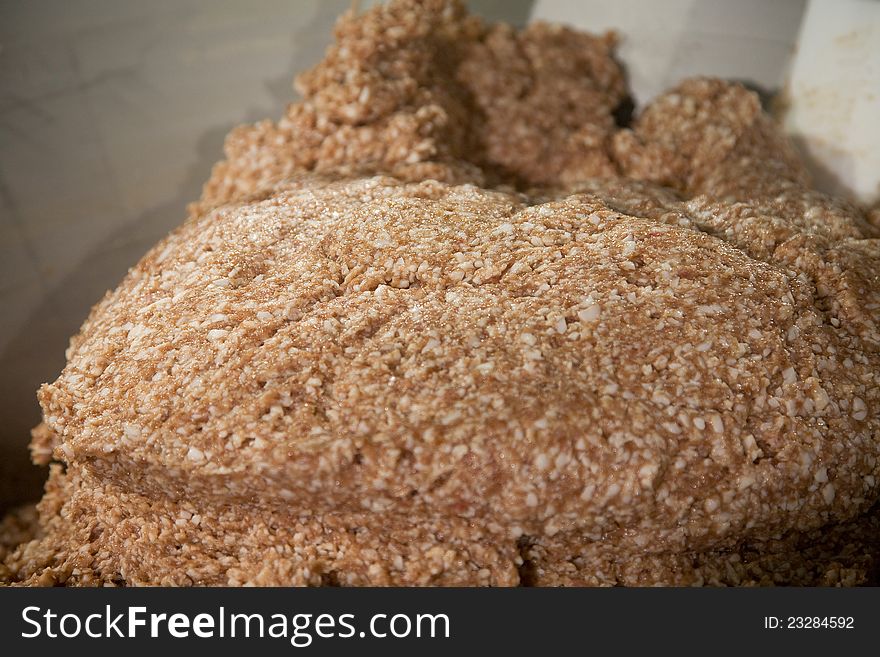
<point x="448" y="322"/>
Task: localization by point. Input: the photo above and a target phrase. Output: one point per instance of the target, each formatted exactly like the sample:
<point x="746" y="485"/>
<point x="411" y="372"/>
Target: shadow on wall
<point x="34" y="354"/>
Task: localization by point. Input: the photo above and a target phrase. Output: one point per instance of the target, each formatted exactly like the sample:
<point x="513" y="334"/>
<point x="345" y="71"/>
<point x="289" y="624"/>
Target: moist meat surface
<point x="447" y="323"/>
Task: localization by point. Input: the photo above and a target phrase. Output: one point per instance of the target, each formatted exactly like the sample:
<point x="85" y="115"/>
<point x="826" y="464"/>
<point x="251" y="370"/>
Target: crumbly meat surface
<point x="423" y="91"/>
<point x="446" y="322"/>
<point x="125" y="538"/>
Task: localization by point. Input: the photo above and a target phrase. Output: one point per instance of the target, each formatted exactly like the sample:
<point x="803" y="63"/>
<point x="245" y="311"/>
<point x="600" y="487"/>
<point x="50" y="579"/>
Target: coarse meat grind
<point x="452" y="320"/>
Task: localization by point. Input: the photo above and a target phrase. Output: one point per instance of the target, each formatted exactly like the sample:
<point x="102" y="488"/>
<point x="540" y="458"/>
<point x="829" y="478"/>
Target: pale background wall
<point x="666" y="41"/>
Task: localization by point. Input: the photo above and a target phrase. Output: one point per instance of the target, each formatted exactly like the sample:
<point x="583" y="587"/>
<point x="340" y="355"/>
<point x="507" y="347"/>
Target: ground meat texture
<point x="447" y="323"/>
